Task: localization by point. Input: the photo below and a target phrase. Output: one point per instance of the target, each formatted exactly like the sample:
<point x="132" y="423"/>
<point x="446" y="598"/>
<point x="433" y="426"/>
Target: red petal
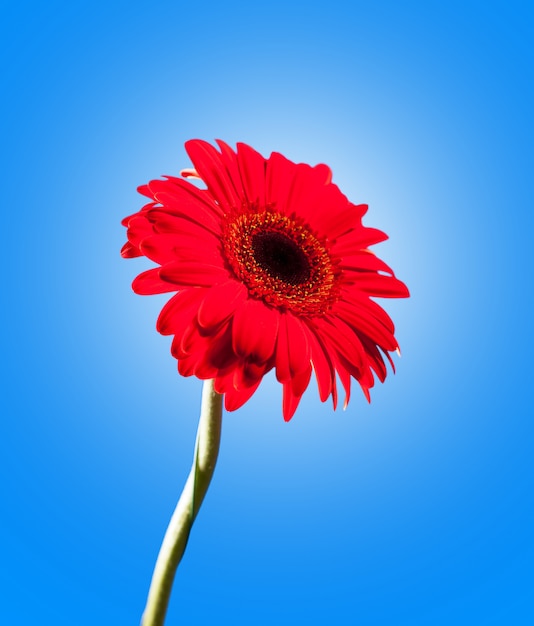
<point x="229" y="160"/>
<point x="324" y="370"/>
<point x="305" y="190"/>
<point x="184" y="191"/>
<point x="375" y="358"/>
<point x="252" y="167"/>
<point x="201" y="367"/>
<point x="220" y="353"/>
<point x="295" y="187"/>
<point x="208" y="163"/>
<point x="193" y="212"/>
<point x="365" y="324"/>
<point x="300" y="382"/>
<point x="365" y="261"/>
<point x="363" y="375"/>
<point x="283" y="373"/>
<point x="220" y="302"/>
<point x="181" y="233"/>
<point x="187" y="274"/>
<point x="292" y="350"/>
<point x="234" y="396"/>
<point x="149" y="283"/>
<point x="254" y="332"/>
<point x="298" y="345"/>
<point x="344" y="377"/>
<point x="291" y="399"/>
<point x="193" y="204"/>
<point x="224" y="382"/>
<point x="179" y="311"/>
<point x="322" y="174"/>
<point x="379" y="285"/>
<point x="140" y="213"/>
<point x="144" y="190"/>
<point x="279" y="175"/>
<point x="343" y="340"/>
<point x="357" y="239"/>
<point x="366" y="393"/>
<point x="139" y="228"/>
<point x="170" y="248"/>
<point x="212" y="355"/>
<point x="248" y="374"/>
<point x="159" y="248"/>
<point x="234" y="399"/>
<point x="187" y="366"/>
<point x="331" y="214"/>
<point x="391" y="360"/>
<point x="130" y="252"/>
<point x="364" y="306"/>
<point x="165" y="220"/>
<point x="334" y="393"/>
<point x="208" y="356"/>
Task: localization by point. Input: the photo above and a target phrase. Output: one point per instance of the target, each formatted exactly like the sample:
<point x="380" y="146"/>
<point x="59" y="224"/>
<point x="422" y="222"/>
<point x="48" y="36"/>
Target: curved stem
<point x="175" y="540"/>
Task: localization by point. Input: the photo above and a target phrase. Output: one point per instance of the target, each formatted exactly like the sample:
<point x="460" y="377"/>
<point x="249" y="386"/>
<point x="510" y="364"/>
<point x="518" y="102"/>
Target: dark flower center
<point x="281" y="261"/>
<point x="281" y="257"/>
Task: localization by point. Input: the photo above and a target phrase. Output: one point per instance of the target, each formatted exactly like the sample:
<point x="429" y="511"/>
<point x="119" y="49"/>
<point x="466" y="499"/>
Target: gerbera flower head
<point x="271" y="267"/>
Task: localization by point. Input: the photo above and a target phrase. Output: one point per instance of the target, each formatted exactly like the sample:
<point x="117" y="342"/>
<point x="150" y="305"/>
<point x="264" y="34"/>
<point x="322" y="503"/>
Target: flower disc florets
<point x="280" y="261"/>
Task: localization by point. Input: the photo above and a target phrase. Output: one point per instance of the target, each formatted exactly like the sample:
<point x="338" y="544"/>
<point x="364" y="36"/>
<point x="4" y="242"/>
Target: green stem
<point x="175" y="540"/>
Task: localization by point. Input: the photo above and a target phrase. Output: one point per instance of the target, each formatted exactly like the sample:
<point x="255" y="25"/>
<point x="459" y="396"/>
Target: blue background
<point x="415" y="510"/>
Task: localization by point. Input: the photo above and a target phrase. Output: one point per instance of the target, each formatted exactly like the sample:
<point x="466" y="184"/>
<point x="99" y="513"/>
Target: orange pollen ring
<point x="281" y="261"/>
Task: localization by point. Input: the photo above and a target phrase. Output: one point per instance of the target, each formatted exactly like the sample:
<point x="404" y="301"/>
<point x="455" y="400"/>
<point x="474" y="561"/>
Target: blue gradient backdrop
<point x="416" y="510"/>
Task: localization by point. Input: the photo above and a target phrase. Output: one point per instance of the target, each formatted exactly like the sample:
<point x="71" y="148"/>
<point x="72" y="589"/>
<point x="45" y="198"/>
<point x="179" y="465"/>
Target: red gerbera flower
<point x="272" y="269"/>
